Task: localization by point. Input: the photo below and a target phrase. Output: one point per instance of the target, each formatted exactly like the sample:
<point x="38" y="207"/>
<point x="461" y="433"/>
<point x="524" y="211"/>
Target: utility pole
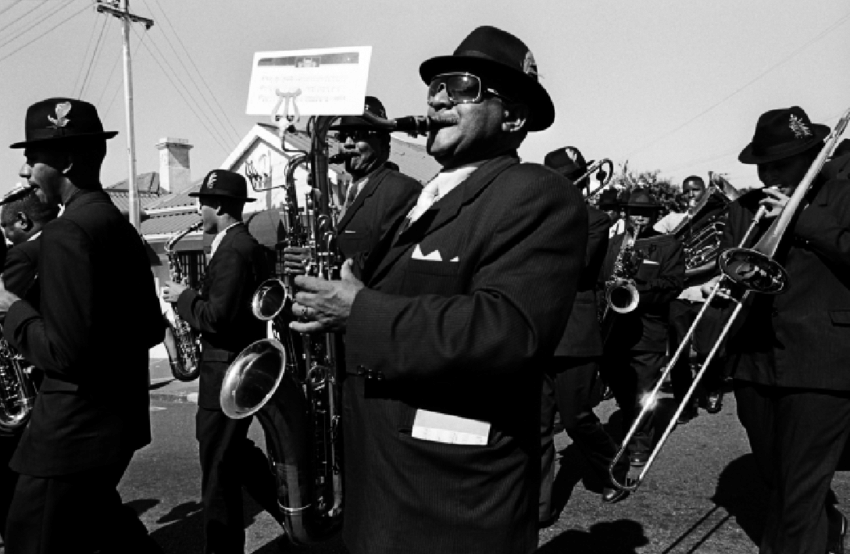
<point x="113" y="8"/>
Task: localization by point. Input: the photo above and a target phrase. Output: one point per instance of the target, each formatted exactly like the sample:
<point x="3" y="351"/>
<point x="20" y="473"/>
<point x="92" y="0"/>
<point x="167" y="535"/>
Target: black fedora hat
<point x="608" y="200"/>
<point x="492" y="53"/>
<point x="781" y="134"/>
<point x="567" y="161"/>
<point x="62" y="120"/>
<point x="641" y="199"/>
<point x="224" y="184"/>
<point x="373" y="106"/>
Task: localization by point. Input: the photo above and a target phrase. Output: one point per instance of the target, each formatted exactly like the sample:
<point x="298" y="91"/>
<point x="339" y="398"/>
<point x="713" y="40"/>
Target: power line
<point x="30" y="27"/>
<point x="111" y="73"/>
<point x="94" y="55"/>
<point x="86" y="53"/>
<point x="10" y="6"/>
<point x="819" y="36"/>
<point x="217" y="111"/>
<point x="26" y="13"/>
<point x="212" y="132"/>
<point x="44" y="33"/>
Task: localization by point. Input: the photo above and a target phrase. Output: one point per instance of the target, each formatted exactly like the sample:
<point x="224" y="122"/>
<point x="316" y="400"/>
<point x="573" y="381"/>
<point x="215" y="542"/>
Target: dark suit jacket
<point x="21" y="270"/>
<point x="583" y="338"/>
<point x="659" y="279"/>
<point x="387" y="195"/>
<point x="221" y="310"/>
<point x="463" y="336"/>
<point x="800" y="337"/>
<point x="99" y="315"/>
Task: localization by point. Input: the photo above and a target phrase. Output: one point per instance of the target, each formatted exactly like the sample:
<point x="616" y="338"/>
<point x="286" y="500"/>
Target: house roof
<point x="145" y="182"/>
<point x="169" y="222"/>
<point x="121" y="198"/>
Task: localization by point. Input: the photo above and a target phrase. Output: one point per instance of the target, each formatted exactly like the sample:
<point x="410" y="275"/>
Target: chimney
<point x="174" y="171"/>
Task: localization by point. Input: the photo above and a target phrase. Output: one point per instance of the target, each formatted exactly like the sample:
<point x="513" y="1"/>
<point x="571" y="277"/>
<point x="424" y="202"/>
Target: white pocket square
<point x="455" y="259"/>
<point x="432" y="257"/>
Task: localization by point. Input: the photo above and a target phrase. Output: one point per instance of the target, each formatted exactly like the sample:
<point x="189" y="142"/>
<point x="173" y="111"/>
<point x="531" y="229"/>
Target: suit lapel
<point x="371" y="186"/>
<point x="443" y="211"/>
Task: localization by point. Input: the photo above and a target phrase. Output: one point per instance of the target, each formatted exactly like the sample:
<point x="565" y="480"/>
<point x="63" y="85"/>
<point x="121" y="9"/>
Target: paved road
<point x="702" y="496"/>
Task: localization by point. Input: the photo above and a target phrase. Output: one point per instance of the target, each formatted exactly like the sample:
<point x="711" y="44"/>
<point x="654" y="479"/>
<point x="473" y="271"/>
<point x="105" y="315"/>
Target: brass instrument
<point x="743" y="270"/>
<point x="702" y="227"/>
<point x="602" y="175"/>
<point x="621" y="295"/>
<point x="17" y="389"/>
<point x="182" y="343"/>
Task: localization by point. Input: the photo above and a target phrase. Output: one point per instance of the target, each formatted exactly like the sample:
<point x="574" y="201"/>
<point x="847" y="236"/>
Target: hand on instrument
<point x="774" y="201"/>
<point x="724" y="292"/>
<point x="296" y="259"/>
<point x="172" y="291"/>
<point x="322" y="305"/>
<point x="6" y="299"/>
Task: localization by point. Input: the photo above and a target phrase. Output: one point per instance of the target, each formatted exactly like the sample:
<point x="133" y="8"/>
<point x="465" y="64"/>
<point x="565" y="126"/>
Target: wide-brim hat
<point x="608" y="199"/>
<point x="567" y="161"/>
<point x="220" y="183"/>
<point x="372" y="105"/>
<point x="55" y="121"/>
<point x="498" y="56"/>
<point x="642" y="199"/>
<point x="781" y="134"/>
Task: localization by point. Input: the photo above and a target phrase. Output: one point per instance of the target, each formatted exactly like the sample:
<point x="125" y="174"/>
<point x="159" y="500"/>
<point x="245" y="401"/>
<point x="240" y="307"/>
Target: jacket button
<point x="361" y="369"/>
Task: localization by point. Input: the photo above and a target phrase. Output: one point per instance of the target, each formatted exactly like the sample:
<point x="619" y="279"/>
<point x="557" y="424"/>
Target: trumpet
<point x="743" y="271"/>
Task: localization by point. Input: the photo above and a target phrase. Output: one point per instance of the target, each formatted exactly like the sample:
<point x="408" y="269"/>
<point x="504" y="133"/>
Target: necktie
<point x="430" y="193"/>
<point x="351" y="195"/>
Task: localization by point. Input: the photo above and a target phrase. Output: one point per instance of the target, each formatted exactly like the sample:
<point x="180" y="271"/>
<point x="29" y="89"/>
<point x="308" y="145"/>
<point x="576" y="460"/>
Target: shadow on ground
<point x="615" y="537"/>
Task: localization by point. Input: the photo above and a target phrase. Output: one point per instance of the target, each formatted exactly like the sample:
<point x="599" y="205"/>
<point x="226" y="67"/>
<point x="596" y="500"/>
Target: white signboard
<point x="331" y="81"/>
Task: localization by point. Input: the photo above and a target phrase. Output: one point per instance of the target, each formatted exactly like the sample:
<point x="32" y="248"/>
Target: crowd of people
<point x="472" y="310"/>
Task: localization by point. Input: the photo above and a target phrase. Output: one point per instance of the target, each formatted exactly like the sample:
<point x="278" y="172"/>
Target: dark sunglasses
<point x="461" y="88"/>
<point x="355" y="134"/>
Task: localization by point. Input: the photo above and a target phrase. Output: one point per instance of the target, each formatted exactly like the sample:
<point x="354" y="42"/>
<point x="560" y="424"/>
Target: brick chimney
<point x="174" y="171"/>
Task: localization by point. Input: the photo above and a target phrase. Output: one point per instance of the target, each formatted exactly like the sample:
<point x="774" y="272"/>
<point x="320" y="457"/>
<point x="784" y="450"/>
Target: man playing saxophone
<point x="637" y="341"/>
<point x="221" y="312"/>
<point x="791" y="349"/>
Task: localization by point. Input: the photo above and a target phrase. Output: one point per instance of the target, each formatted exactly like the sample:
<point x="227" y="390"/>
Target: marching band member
<point x="81" y="436"/>
<point x="569" y="380"/>
<point x="790" y="354"/>
<point x="610" y="204"/>
<point x="683" y="312"/>
<point x="637" y="341"/>
<point x="456" y="310"/>
<point x="221" y="311"/>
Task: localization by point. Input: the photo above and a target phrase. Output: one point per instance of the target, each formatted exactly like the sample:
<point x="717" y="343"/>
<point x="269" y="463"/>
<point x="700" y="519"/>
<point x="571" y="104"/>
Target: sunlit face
<point x="43" y="172"/>
<point x="209" y="215"/>
<point x="464" y="133"/>
<point x="693" y="191"/>
<point x="785" y="174"/>
<point x="13" y="228"/>
<point x="367" y="149"/>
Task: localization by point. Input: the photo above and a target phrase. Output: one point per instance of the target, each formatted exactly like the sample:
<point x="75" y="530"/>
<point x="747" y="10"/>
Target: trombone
<point x="603" y="176"/>
<point x="743" y="270"/>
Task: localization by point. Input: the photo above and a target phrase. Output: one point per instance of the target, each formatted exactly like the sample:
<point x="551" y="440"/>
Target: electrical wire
<point x="218" y="111"/>
<point x="212" y="133"/>
<point x="793" y="54"/>
<point x="26" y="13"/>
<point x="44" y="33"/>
<point x="111" y="73"/>
<point x="95" y="55"/>
<point x="86" y="53"/>
<point x="10" y="6"/>
<point x="29" y="27"/>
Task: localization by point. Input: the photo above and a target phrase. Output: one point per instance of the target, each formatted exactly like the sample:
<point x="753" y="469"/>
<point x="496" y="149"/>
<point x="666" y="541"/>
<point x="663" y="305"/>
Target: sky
<point x="674" y="85"/>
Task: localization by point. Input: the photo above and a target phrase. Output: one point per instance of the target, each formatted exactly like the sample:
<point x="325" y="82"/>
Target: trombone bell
<point x="753" y="270"/>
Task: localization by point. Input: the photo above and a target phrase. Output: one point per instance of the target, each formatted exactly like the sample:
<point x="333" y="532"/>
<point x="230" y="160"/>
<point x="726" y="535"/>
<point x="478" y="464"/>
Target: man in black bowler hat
<point x="609" y="203"/>
<point x="635" y="342"/>
<point x="91" y="413"/>
<point x="569" y="380"/>
<point x="221" y="311"/>
<point x="449" y="317"/>
<point x="790" y="351"/>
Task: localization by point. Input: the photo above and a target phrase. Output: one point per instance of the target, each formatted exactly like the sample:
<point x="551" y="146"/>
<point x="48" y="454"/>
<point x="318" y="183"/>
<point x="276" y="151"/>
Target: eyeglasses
<point x="461" y="88"/>
<point x="356" y="135"/>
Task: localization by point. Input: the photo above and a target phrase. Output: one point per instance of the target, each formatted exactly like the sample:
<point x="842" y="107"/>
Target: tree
<point x="626" y="181"/>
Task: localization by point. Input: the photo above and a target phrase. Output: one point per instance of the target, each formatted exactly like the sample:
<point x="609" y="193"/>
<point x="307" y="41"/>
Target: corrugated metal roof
<point x="176" y="200"/>
<point x="168" y="223"/>
<point x="145" y="182"/>
<point x="121" y="198"/>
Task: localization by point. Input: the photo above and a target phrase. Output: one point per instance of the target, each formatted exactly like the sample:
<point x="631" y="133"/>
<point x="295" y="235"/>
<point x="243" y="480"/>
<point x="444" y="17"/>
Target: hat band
<point x="788" y="148"/>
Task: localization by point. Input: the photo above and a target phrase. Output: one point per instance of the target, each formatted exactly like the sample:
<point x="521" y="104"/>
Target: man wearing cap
<point x="569" y="378"/>
<point x="790" y="353"/>
<point x="221" y="312"/>
<point x="635" y="342"/>
<point x="92" y="411"/>
<point x="450" y="319"/>
<point x="609" y="203"/>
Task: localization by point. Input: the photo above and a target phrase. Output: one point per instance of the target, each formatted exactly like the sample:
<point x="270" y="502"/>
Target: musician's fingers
<point x="306" y="327"/>
<point x="310" y="284"/>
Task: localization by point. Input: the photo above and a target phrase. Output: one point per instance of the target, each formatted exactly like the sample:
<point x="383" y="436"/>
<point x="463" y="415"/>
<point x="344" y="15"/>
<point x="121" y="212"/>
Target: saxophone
<point x="621" y="294"/>
<point x="17" y="389"/>
<point x="181" y="342"/>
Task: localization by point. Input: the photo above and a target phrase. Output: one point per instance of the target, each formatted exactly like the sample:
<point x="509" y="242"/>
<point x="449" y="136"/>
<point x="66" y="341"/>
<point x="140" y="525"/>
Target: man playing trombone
<point x="790" y="353"/>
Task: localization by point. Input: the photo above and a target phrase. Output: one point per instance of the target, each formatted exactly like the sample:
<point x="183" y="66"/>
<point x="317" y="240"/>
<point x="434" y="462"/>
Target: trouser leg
<point x="797" y="436"/>
<point x="8" y="478"/>
<point x="547" y="445"/>
<point x="681" y="319"/>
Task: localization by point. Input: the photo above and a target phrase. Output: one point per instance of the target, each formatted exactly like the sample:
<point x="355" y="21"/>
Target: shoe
<point x="714" y="402"/>
<point x="638" y="459"/>
<point x="836" y="532"/>
<point x="612" y="495"/>
<point x="687" y="414"/>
